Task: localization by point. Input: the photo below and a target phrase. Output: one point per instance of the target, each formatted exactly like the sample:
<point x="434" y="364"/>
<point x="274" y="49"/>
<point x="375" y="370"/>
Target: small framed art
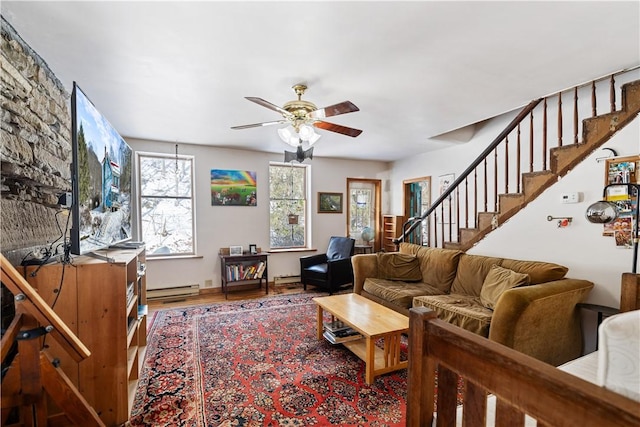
<point x="329" y="202"/>
<point x="235" y="250"/>
<point x="253" y="249"/>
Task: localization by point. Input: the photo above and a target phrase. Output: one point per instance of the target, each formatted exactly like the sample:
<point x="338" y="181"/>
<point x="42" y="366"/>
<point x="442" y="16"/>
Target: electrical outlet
<point x="208" y="283"/>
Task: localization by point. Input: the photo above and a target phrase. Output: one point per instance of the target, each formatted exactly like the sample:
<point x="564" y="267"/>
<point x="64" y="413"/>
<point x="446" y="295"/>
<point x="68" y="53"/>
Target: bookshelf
<point x="391" y="228"/>
<point x="245" y="268"/>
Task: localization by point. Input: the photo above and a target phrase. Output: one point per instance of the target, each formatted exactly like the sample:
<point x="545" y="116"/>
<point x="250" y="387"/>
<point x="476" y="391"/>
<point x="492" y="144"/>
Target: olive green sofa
<point x="529" y="306"/>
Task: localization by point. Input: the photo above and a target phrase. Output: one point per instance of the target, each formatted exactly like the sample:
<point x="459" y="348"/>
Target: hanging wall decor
<point x="445" y="214"/>
<point x="329" y="202"/>
<point x="233" y="188"/>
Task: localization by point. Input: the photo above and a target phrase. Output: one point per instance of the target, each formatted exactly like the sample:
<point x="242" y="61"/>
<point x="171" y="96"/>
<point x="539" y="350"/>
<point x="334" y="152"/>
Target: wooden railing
<point x="523" y="147"/>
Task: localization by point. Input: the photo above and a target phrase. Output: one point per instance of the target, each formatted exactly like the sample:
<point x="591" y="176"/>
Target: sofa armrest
<point x="542" y="320"/>
<point x="364" y="265"/>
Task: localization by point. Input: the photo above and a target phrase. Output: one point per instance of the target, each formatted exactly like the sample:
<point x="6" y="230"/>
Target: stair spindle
<point x="458" y="213"/>
<point x="486" y="186"/>
<point x="495" y="179"/>
<point x="612" y="93"/>
<point x="575" y="115"/>
<point x="506" y="165"/>
<point x="544" y="135"/>
<point x="560" y="119"/>
<point x="466" y="202"/>
<point x="475" y="196"/>
<point x="519" y="155"/>
<point x="531" y="142"/>
<point x="594" y="109"/>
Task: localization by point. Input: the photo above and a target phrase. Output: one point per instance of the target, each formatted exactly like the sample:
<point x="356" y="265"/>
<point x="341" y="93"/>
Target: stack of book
<point x="337" y="332"/>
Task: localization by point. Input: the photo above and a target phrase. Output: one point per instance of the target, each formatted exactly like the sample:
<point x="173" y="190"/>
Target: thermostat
<point x="571" y="197"/>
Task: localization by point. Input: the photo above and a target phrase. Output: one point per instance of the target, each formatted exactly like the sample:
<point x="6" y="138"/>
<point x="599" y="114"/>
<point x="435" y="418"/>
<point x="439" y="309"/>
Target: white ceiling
<point x="179" y="71"/>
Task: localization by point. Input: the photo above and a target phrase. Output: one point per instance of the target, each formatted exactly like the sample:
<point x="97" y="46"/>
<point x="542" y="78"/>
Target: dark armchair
<point x="332" y="269"/>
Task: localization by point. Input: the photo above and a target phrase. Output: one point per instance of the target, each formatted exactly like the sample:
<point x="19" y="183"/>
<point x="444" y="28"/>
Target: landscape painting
<point x="233" y="188"/>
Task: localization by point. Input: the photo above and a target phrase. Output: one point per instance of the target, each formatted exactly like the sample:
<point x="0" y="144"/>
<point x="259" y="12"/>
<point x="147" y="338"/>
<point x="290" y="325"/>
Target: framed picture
<point x="233" y="188"/>
<point x="235" y="250"/>
<point x="445" y="216"/>
<point x="253" y="249"/>
<point x="329" y="202"/>
<point x="622" y="170"/>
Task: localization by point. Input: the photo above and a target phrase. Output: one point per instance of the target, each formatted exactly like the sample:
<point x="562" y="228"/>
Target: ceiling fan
<point x="301" y="114"/>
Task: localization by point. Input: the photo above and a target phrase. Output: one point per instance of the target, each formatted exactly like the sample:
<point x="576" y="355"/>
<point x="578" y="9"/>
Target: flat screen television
<point x="101" y="174"/>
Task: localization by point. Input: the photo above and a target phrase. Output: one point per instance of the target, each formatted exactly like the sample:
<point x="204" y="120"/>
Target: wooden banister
<point x="31" y="375"/>
<point x="29" y="301"/>
<point x="508" y="163"/>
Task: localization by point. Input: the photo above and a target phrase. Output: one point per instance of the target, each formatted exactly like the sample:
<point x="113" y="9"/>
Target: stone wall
<point x="36" y="148"/>
<point x="35" y="158"/>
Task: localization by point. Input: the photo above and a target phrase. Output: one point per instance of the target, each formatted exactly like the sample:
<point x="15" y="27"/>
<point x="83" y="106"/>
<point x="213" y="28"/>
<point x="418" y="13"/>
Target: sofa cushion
<point x="538" y="271"/>
<point x="438" y="266"/>
<point x="497" y="281"/>
<point x="397" y="266"/>
<point x="461" y="310"/>
<point x="397" y="292"/>
<point x="472" y="270"/>
<point x="618" y="364"/>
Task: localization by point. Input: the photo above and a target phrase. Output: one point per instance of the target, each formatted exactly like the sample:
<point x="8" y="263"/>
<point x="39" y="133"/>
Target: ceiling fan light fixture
<point x="289" y="135"/>
<point x="307" y="133"/>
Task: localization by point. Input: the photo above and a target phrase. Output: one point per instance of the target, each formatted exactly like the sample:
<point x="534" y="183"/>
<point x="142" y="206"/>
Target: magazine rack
<point x="32" y="375"/>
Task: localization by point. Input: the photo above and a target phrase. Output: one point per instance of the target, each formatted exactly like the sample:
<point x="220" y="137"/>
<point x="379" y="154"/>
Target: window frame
<point x="139" y="197"/>
<point x="307" y="207"/>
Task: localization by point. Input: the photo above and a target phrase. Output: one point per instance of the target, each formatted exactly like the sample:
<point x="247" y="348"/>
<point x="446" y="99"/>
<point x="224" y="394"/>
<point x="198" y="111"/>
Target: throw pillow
<point x="397" y="266"/>
<point x="497" y="281"/>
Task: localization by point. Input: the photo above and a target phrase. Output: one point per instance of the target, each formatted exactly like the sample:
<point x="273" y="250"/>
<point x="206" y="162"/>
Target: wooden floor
<point x="216" y="297"/>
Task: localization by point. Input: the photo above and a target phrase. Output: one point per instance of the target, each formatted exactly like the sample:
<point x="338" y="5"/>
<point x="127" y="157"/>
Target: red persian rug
<point x="257" y="363"/>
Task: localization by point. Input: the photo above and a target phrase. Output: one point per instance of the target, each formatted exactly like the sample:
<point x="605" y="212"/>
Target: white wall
<point x="529" y="235"/>
<point x="222" y="226"/>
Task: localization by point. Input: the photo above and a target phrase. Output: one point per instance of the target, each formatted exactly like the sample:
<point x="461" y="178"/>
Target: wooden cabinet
<point x="243" y="268"/>
<point x="104" y="303"/>
<point x="391" y="228"/>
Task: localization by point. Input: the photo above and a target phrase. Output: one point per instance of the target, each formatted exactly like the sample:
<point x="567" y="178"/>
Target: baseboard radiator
<point x="283" y="280"/>
<point x="174" y="292"/>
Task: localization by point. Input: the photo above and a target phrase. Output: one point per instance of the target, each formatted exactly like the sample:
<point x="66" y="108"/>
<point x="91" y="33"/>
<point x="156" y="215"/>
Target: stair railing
<point x="494" y="171"/>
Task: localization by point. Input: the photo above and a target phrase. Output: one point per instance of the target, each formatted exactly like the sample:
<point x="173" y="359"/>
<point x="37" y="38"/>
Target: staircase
<point x="493" y="188"/>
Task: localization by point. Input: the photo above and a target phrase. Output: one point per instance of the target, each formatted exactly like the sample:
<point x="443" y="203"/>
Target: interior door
<point x="364" y="213"/>
<point x="417" y="199"/>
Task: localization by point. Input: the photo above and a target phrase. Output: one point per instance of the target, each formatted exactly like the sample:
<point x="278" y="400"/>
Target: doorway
<point x="364" y="213"/>
<point x="417" y="199"/>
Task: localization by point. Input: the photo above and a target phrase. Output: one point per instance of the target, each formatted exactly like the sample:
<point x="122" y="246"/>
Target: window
<point x="166" y="204"/>
<point x="288" y="195"/>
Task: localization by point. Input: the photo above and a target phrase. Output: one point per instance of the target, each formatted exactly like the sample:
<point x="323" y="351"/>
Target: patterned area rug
<point x="257" y="363"/>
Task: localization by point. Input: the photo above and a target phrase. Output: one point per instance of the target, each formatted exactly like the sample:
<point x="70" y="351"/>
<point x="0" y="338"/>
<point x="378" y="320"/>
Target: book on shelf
<point x="261" y="266"/>
<point x="335" y="326"/>
<point x="342" y="336"/>
<point x="130" y="293"/>
<point x="143" y="310"/>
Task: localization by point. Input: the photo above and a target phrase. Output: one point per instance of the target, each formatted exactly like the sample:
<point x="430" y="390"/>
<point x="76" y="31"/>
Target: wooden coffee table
<point x="372" y="321"/>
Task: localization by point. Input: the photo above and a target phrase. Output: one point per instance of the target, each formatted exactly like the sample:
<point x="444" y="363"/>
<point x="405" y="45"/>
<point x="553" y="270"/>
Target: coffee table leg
<point x="319" y="323"/>
<point x="370" y="362"/>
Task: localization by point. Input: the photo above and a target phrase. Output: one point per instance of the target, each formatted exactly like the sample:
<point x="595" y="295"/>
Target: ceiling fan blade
<point x="269" y="105"/>
<point x="255" y="125"/>
<point x="334" y="110"/>
<point x="337" y="128"/>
